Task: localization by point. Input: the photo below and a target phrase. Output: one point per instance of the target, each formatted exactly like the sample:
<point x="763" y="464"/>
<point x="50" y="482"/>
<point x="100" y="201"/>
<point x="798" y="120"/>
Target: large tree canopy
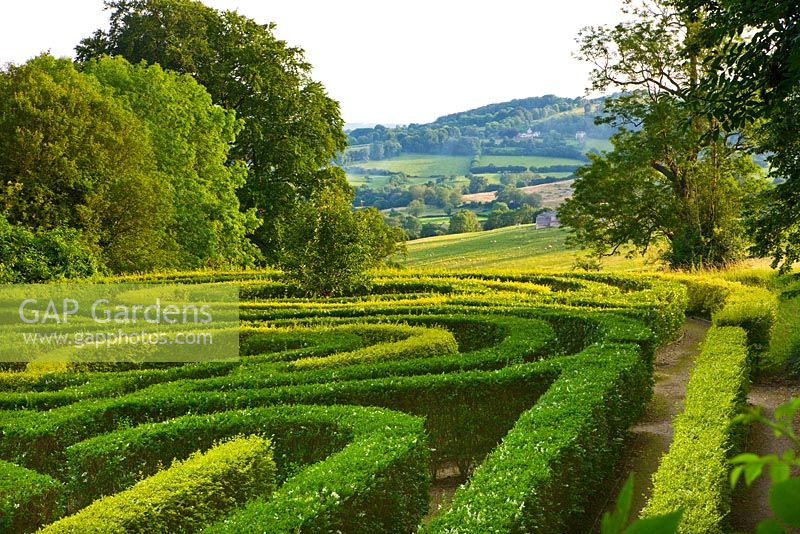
<point x="292" y="129"/>
<point x="671" y="175"/>
<point x="752" y="80"/>
<point x="190" y="138"/>
<point x="73" y="156"/>
<point x="132" y="157"/>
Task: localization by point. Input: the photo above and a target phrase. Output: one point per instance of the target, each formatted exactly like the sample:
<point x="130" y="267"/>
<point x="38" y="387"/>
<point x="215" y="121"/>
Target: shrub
<point x="184" y="497"/>
<point x="114" y="461"/>
<point x="27" y="499"/>
<point x="558" y="452"/>
<point x="558" y="364"/>
<point x="753" y="309"/>
<point x="27" y="256"/>
<point x="429" y="342"/>
<point x="378" y="483"/>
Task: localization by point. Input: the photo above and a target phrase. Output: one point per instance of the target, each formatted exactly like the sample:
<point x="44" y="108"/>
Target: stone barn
<point x="547" y="219"/>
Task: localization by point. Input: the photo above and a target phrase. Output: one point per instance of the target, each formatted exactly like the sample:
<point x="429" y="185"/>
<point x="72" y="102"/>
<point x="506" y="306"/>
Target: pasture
<point x="424" y="165"/>
<point x="511" y="249"/>
<point x="528" y="161"/>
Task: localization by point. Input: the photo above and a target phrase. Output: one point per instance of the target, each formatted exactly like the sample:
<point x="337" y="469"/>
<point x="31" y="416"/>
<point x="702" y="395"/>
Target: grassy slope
<point x="422" y="164"/>
<point x="426" y="165"/>
<point x="599" y="144"/>
<point x="528" y="161"/>
<point x="519" y="248"/>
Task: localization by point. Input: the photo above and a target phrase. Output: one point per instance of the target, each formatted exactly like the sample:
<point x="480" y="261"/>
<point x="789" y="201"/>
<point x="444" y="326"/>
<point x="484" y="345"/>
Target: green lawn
<point x="528" y="161"/>
<point x="426" y="165"/>
<point x="518" y="248"/>
<point x="599" y="144"/>
<point x="422" y="164"/>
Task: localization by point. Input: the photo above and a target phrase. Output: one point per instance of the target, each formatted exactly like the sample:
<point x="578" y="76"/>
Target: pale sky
<point x="390" y="62"/>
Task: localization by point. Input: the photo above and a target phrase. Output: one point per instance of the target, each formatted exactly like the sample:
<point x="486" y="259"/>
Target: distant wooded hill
<point x="538" y="126"/>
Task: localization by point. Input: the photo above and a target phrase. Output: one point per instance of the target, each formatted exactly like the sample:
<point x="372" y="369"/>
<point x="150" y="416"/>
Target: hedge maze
<point x="341" y="411"/>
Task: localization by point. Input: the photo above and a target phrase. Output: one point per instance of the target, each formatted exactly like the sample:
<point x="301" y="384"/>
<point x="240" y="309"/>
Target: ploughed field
<point x="341" y="410"/>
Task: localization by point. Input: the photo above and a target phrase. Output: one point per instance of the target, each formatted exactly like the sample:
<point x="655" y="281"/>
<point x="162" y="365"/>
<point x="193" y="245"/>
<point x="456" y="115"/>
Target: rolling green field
<point x="599" y="144"/>
<point x="528" y="161"/>
<point x="518" y="248"/>
<point x="422" y="164"/>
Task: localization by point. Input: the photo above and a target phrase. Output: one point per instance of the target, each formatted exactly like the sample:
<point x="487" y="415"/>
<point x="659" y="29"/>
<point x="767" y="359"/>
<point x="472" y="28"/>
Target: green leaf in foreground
<point x="784" y="499"/>
<point x="614" y="522"/>
<point x="663" y="524"/>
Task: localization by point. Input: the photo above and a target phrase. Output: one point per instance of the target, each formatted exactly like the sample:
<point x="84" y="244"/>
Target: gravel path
<point x="751" y="505"/>
<point x="648" y="440"/>
<point x="651" y="437"/>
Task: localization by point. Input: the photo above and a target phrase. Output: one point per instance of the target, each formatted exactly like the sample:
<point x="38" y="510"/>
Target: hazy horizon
<point x="385" y="65"/>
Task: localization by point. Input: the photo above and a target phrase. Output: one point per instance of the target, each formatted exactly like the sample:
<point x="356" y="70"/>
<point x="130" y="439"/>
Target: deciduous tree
<point x="671" y="174"/>
<point x="292" y="129"/>
<point x="73" y="156"/>
<point x="464" y="221"/>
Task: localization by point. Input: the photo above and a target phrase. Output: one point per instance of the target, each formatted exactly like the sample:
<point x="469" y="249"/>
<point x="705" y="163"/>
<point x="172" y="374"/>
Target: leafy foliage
<point x="784" y="493"/>
<point x="750" y="81"/>
<point x="27" y="256"/>
<point x="190" y="146"/>
<point x="76" y="157"/>
<point x="671" y="175"/>
<point x="292" y="129"/>
<point x="185" y="496"/>
<point x="691" y="476"/>
<point x="27" y="499"/>
<point x="464" y="221"/>
<point x="330" y="247"/>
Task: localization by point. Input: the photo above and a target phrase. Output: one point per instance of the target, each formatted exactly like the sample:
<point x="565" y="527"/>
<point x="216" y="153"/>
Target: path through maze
<point x="340" y="409"/>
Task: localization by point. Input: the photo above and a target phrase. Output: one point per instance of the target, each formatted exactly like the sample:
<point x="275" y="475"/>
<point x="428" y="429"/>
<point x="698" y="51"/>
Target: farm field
<point x="553" y="194"/>
<point x="528" y="161"/>
<point x="333" y="394"/>
<point x="424" y="165"/>
<point x="597" y="144"/>
<point x="517" y="248"/>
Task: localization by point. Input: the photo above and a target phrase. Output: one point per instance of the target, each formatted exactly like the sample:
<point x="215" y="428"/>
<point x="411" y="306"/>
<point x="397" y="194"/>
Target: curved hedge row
<point x="184" y="497"/>
<point x="348" y="447"/>
<point x="27" y="499"/>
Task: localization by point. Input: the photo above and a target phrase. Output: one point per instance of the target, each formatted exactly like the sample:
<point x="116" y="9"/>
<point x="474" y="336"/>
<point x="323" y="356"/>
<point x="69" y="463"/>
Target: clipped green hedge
<point x="378" y="483"/>
<point x="559" y="452"/>
<point x="114" y="461"/>
<point x="693" y="475"/>
<point x="754" y="309"/>
<point x="706" y="294"/>
<point x="465" y="420"/>
<point x="51" y="390"/>
<point x="186" y="496"/>
<point x="732" y="304"/>
<point x="463" y="416"/>
<point x="385" y="451"/>
<point x="27" y="499"/>
<point x="570" y="353"/>
<point x="426" y="342"/>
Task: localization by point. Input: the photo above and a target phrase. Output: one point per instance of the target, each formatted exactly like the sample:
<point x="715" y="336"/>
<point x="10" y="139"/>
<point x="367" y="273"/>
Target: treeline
<point x="493" y="129"/>
<point x="493" y="169"/>
<point x="90" y="152"/>
<point x="444" y="196"/>
<point x="181" y="137"/>
<point x="465" y="220"/>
